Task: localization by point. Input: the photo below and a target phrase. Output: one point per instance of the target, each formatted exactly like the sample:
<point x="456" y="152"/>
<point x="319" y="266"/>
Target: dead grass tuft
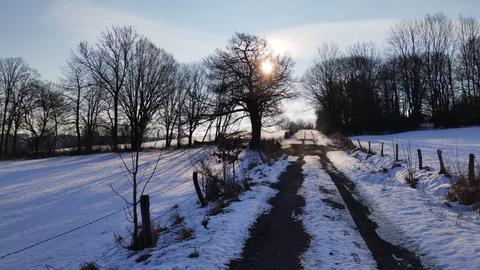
<point x="464" y="191"/>
<point x="89" y="266"/>
<point x="194" y="254"/>
<point x="185" y="233"/>
<point x="177" y="219"/>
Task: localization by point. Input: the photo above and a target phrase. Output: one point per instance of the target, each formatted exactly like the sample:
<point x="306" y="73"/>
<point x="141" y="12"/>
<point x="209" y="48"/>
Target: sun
<point x="267" y="67"/>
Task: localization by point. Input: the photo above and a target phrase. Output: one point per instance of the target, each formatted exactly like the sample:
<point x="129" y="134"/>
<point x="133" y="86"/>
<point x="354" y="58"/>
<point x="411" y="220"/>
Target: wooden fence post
<point x="381" y="151"/>
<point x="360" y="145"/>
<point x="440" y="160"/>
<point x="369" y="148"/>
<point x="146" y="223"/>
<point x="420" y="162"/>
<point x="396" y="152"/>
<point x="471" y="168"/>
<point x="197" y="188"/>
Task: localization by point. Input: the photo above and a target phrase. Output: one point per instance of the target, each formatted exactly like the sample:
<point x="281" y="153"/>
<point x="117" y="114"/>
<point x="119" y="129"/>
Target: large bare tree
<point x="149" y="77"/>
<point x="251" y="78"/>
<point x="108" y="62"/>
<point x="75" y="82"/>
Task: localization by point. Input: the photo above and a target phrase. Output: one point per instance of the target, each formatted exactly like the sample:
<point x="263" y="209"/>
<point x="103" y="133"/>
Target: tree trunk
<point x="190" y="136"/>
<point x="77" y="127"/>
<point x="14" y="142"/>
<point x="115" y="124"/>
<point x="179" y="135"/>
<point x="256" y="121"/>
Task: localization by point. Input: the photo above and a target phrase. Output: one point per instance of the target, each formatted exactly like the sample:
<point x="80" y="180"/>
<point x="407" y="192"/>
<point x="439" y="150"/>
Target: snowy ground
<point x="445" y="237"/>
<point x="44" y="197"/>
<point x="335" y="241"/>
<point x="307" y="136"/>
<point x="455" y="143"/>
<point x="216" y="244"/>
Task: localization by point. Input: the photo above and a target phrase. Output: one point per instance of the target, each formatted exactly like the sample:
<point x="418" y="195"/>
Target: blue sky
<point x="44" y="32"/>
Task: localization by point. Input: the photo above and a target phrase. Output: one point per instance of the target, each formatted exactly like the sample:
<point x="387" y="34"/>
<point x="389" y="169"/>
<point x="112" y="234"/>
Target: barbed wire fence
<point x="104" y="217"/>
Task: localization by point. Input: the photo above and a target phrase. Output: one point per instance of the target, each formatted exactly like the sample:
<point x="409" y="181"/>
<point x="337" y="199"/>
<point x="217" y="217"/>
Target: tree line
<point x="429" y="72"/>
<point x="123" y="88"/>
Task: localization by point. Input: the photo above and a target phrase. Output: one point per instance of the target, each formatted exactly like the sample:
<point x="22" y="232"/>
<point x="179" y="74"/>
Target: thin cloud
<point x="303" y="41"/>
<point x="85" y="20"/>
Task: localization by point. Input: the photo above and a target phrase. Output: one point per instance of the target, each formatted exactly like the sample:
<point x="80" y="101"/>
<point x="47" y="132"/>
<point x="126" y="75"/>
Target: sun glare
<point x="267" y="67"/>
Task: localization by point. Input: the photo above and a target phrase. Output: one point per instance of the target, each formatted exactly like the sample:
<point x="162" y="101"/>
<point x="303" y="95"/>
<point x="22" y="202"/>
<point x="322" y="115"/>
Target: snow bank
<point x="335" y="241"/>
<point x="447" y="238"/>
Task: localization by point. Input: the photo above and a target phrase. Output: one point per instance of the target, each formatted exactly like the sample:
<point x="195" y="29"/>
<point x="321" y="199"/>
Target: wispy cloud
<point x="85" y="20"/>
<point x="303" y="41"/>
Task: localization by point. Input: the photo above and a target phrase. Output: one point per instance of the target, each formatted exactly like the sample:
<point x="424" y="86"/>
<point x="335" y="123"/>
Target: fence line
<point x="89" y="223"/>
<point x="395" y="155"/>
<point x="64" y="233"/>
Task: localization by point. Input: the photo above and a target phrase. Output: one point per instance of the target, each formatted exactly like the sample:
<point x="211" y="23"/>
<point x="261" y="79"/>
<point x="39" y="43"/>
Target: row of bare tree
<point x="27" y="105"/>
<point x="430" y="72"/>
<point x="125" y="86"/>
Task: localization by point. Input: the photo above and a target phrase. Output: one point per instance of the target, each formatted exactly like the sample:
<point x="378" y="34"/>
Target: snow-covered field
<point x="335" y="241"/>
<point x="45" y="197"/>
<point x="455" y="143"/>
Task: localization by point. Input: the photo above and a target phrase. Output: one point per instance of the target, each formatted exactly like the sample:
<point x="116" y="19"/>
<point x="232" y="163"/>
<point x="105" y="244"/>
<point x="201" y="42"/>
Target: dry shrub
<point x="410" y="178"/>
<point x="218" y="183"/>
<point x="342" y="141"/>
<point x="218" y="171"/>
<point x="210" y="178"/>
<point x="155" y="232"/>
<point x="194" y="254"/>
<point x="177" y="219"/>
<point x="185" y="233"/>
<point x="217" y="208"/>
<point x="89" y="266"/>
<point x="464" y="191"/>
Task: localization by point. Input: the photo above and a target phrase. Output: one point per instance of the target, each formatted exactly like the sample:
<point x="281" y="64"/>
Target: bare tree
<point x="108" y="63"/>
<point x="196" y="101"/>
<point x="75" y="82"/>
<point x="16" y="80"/>
<point x="59" y="116"/>
<point x="438" y="51"/>
<point x="150" y="75"/>
<point x="169" y="113"/>
<point x="93" y="104"/>
<point x="468" y="68"/>
<point x="404" y="40"/>
<point x="41" y="112"/>
<point x="252" y="78"/>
